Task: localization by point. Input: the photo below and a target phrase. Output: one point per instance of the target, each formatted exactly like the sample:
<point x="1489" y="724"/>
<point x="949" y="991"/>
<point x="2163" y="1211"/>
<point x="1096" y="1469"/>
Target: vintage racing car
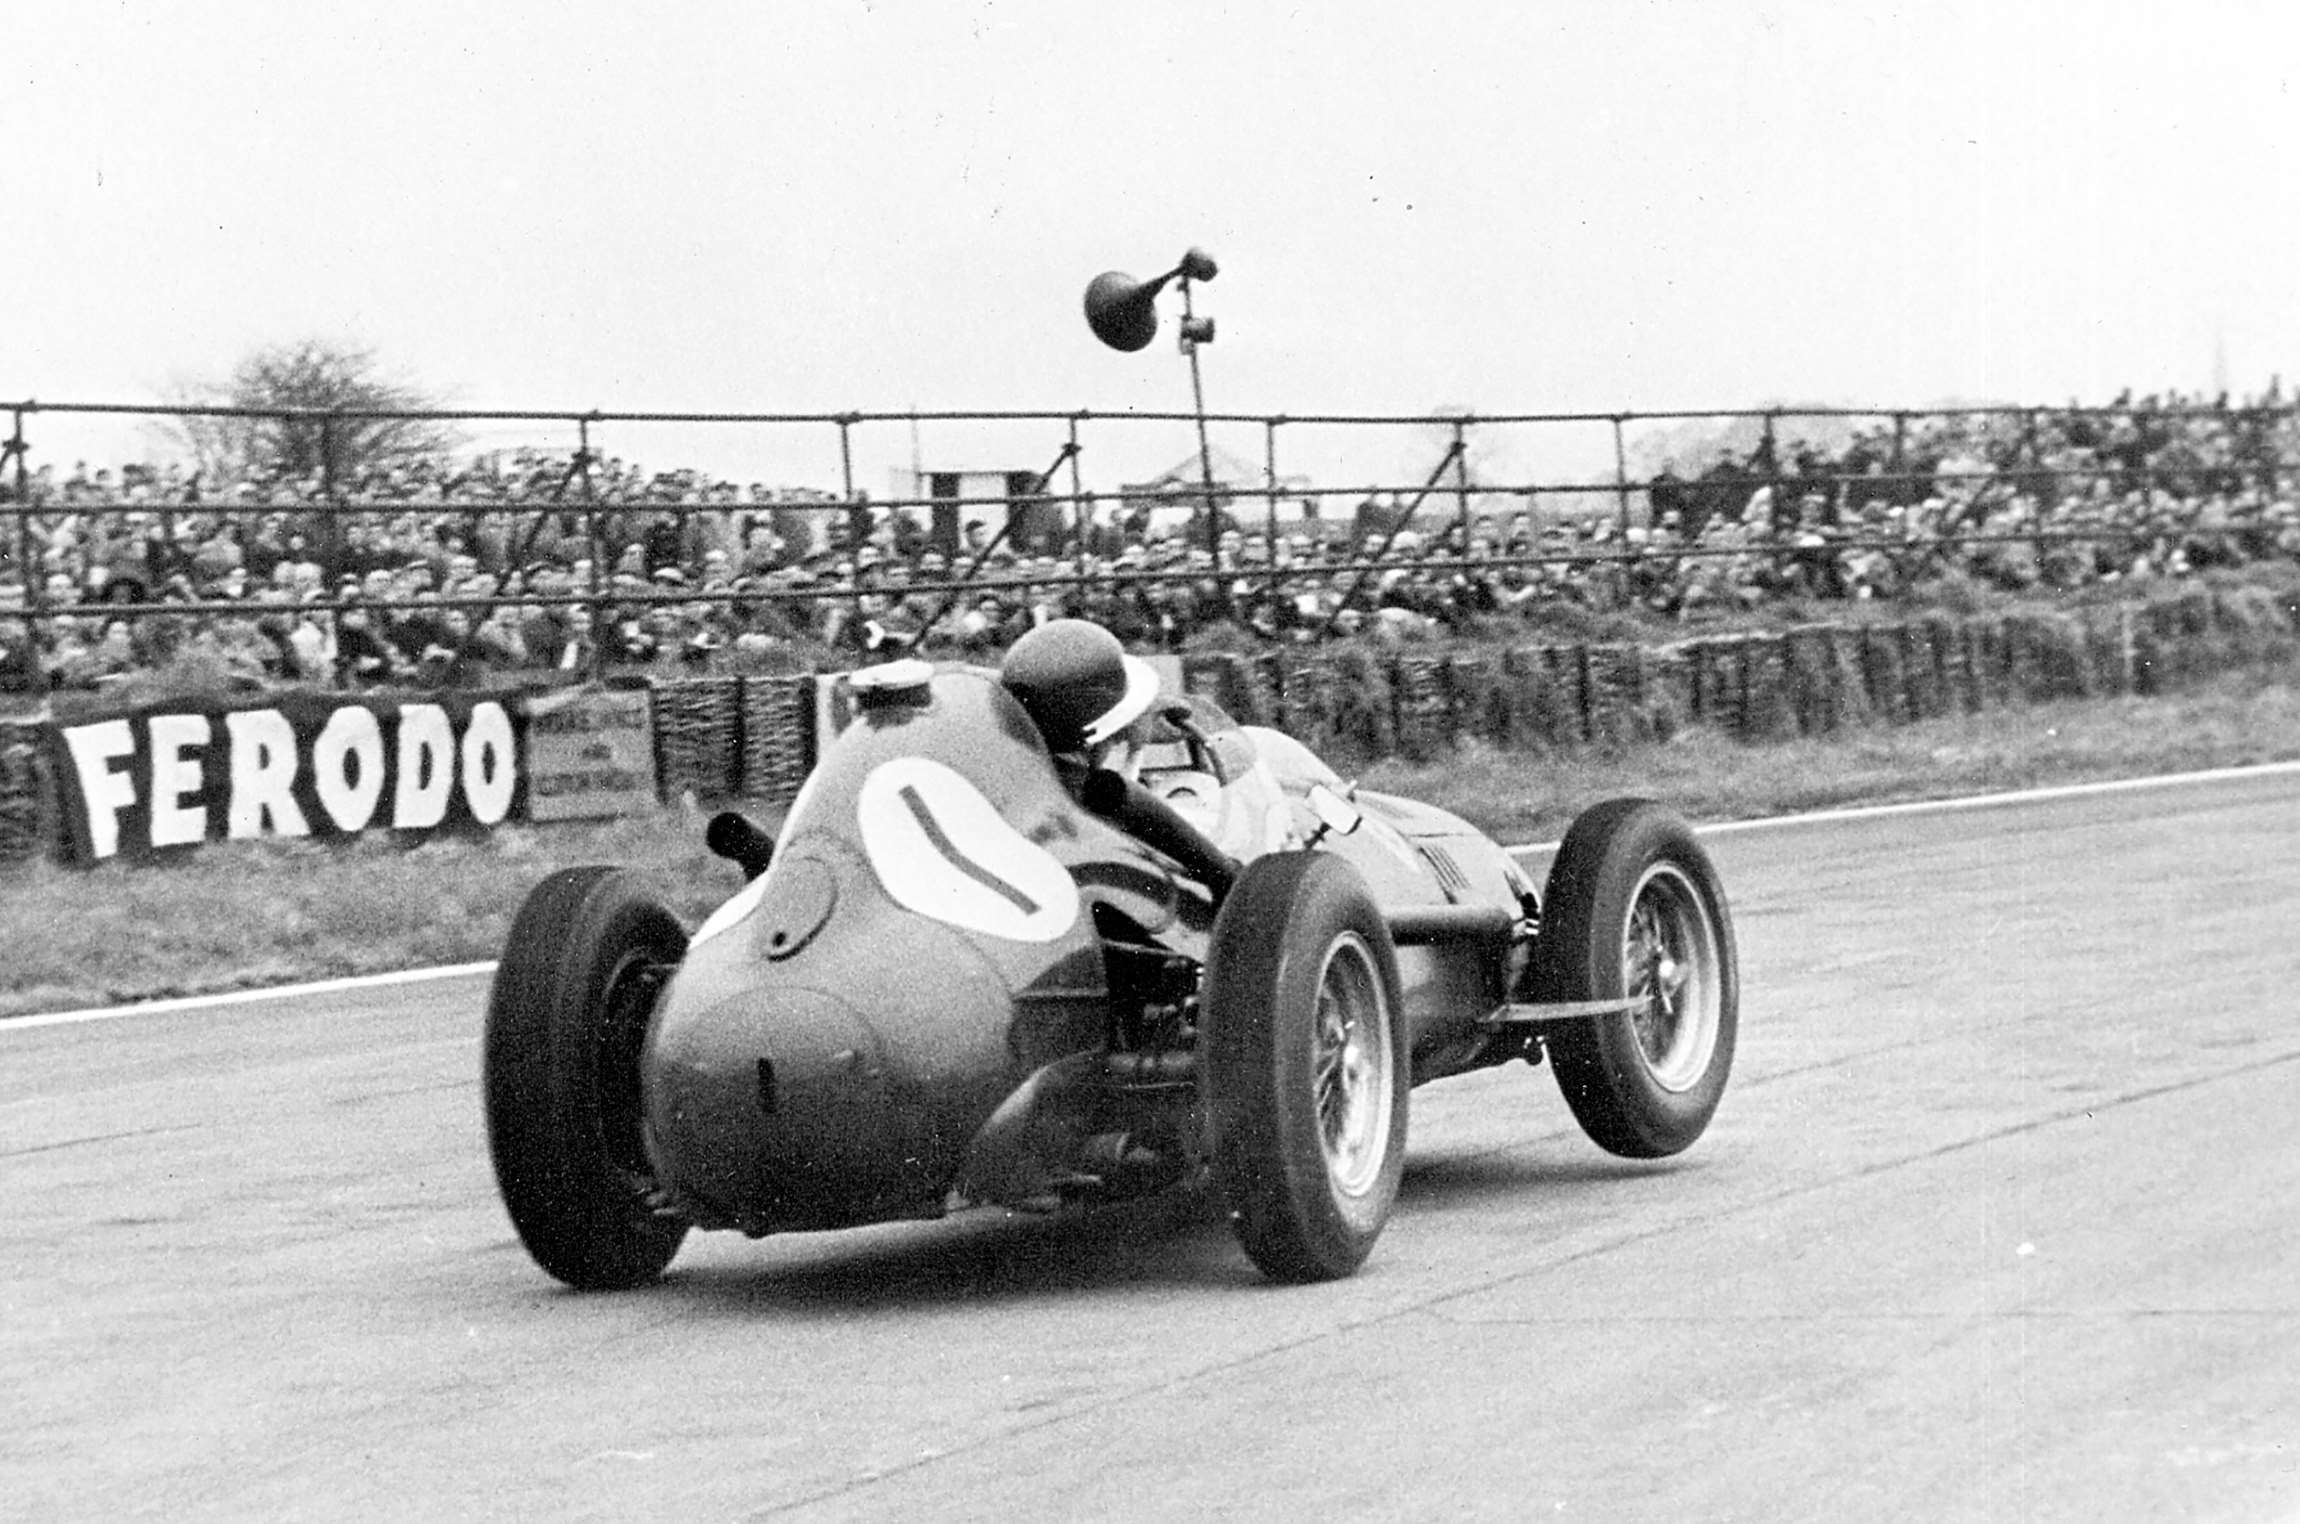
<point x="956" y="978"/>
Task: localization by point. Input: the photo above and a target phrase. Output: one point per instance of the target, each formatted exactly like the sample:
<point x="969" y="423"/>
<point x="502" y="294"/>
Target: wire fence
<point x="548" y="552"/>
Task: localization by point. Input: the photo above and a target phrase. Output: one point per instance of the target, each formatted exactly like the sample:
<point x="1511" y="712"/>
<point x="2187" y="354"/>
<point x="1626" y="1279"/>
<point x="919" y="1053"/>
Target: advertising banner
<point x="174" y="774"/>
<point x="590" y="753"/>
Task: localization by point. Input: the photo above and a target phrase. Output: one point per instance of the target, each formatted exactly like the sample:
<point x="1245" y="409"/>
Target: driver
<point x="1085" y="694"/>
<point x="1092" y="702"/>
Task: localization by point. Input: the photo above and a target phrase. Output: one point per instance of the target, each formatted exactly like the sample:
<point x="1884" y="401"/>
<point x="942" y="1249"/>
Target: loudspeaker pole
<point x="1123" y="312"/>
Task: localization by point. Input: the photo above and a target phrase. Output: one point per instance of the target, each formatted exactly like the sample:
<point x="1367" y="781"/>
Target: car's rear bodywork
<point x="942" y="929"/>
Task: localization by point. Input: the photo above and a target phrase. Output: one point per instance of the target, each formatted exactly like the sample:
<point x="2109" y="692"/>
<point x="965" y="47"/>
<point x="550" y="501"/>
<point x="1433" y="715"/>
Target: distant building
<point x="955" y="499"/>
<point x="1242" y="492"/>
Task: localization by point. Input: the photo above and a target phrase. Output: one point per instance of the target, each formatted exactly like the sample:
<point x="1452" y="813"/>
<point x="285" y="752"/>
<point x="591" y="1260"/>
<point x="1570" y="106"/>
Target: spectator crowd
<point x="519" y="566"/>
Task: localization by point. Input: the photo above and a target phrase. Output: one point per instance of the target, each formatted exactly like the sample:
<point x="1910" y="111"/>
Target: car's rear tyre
<point x="566" y="1019"/>
<point x="1305" y="1069"/>
<point x="1635" y="908"/>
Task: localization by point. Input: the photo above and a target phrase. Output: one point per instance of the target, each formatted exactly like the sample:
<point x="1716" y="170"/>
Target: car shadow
<point x="1167" y="1242"/>
<point x="1450" y="1182"/>
<point x="1175" y="1241"/>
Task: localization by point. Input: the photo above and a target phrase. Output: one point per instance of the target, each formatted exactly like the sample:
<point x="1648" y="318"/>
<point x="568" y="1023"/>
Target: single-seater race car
<point x="959" y="977"/>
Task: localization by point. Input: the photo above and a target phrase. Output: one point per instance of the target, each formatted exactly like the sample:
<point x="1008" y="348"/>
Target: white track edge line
<point x="245" y="997"/>
<point x="1963" y="802"/>
<point x="2015" y="796"/>
<point x="1761" y="823"/>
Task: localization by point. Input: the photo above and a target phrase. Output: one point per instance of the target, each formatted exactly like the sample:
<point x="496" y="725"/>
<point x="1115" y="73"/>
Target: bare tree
<point x="315" y="409"/>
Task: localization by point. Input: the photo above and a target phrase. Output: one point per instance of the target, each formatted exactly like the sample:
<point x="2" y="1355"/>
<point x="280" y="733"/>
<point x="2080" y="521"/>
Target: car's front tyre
<point x="1304" y="1065"/>
<point x="566" y="1020"/>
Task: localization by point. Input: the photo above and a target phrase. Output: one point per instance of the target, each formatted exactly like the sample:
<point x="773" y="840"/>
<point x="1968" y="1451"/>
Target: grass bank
<point x="238" y="916"/>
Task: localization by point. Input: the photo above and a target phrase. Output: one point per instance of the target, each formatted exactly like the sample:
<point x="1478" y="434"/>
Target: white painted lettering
<point x="263" y="773"/>
<point x="104" y="790"/>
<point x="175" y="775"/>
<point x="490" y="765"/>
<point x="426" y="767"/>
<point x="347" y="767"/>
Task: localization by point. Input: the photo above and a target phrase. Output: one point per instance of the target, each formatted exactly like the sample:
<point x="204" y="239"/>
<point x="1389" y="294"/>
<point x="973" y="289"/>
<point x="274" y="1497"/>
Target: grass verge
<point x="240" y="916"/>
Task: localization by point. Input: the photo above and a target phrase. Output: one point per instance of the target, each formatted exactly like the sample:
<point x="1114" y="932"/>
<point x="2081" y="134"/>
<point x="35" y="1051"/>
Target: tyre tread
<point x="1277" y="1190"/>
<point x="573" y="1211"/>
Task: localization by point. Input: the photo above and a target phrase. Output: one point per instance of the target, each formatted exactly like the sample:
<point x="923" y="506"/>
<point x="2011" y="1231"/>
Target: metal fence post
<point x="1079" y="513"/>
<point x="2032" y="458"/>
<point x="1270" y="483"/>
<point x="593" y="532"/>
<point x="331" y="534"/>
<point x="1771" y="444"/>
<point x="1461" y="479"/>
<point x="35" y="583"/>
<point x="1621" y="471"/>
<point x="857" y="530"/>
<point x="17" y="450"/>
<point x="1784" y="552"/>
<point x="2264" y="423"/>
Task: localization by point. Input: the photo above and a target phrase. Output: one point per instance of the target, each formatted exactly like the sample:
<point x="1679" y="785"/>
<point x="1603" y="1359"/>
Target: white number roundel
<point x="941" y="849"/>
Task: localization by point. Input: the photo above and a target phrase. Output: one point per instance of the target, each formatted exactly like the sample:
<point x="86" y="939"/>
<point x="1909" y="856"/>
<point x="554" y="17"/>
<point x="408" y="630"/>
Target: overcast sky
<point x="816" y="207"/>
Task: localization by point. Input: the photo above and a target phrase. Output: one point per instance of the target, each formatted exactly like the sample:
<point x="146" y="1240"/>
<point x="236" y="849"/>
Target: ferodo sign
<point x="174" y="775"/>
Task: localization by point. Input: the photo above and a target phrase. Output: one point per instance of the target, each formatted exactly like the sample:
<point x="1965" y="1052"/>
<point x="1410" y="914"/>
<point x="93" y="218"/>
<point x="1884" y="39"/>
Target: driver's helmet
<point x="1077" y="683"/>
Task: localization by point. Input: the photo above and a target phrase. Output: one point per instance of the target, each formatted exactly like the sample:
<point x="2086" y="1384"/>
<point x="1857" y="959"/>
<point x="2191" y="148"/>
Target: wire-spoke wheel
<point x="1351" y="1068"/>
<point x="1304" y="1078"/>
<point x="1634" y="911"/>
<point x="1669" y="958"/>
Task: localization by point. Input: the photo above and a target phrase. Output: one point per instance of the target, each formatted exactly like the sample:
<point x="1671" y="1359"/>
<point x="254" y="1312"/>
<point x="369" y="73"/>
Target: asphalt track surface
<point x="1999" y="1220"/>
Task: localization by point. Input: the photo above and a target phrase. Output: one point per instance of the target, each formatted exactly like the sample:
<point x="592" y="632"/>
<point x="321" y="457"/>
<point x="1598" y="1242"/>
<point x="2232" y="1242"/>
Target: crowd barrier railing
<point x="1069" y="524"/>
